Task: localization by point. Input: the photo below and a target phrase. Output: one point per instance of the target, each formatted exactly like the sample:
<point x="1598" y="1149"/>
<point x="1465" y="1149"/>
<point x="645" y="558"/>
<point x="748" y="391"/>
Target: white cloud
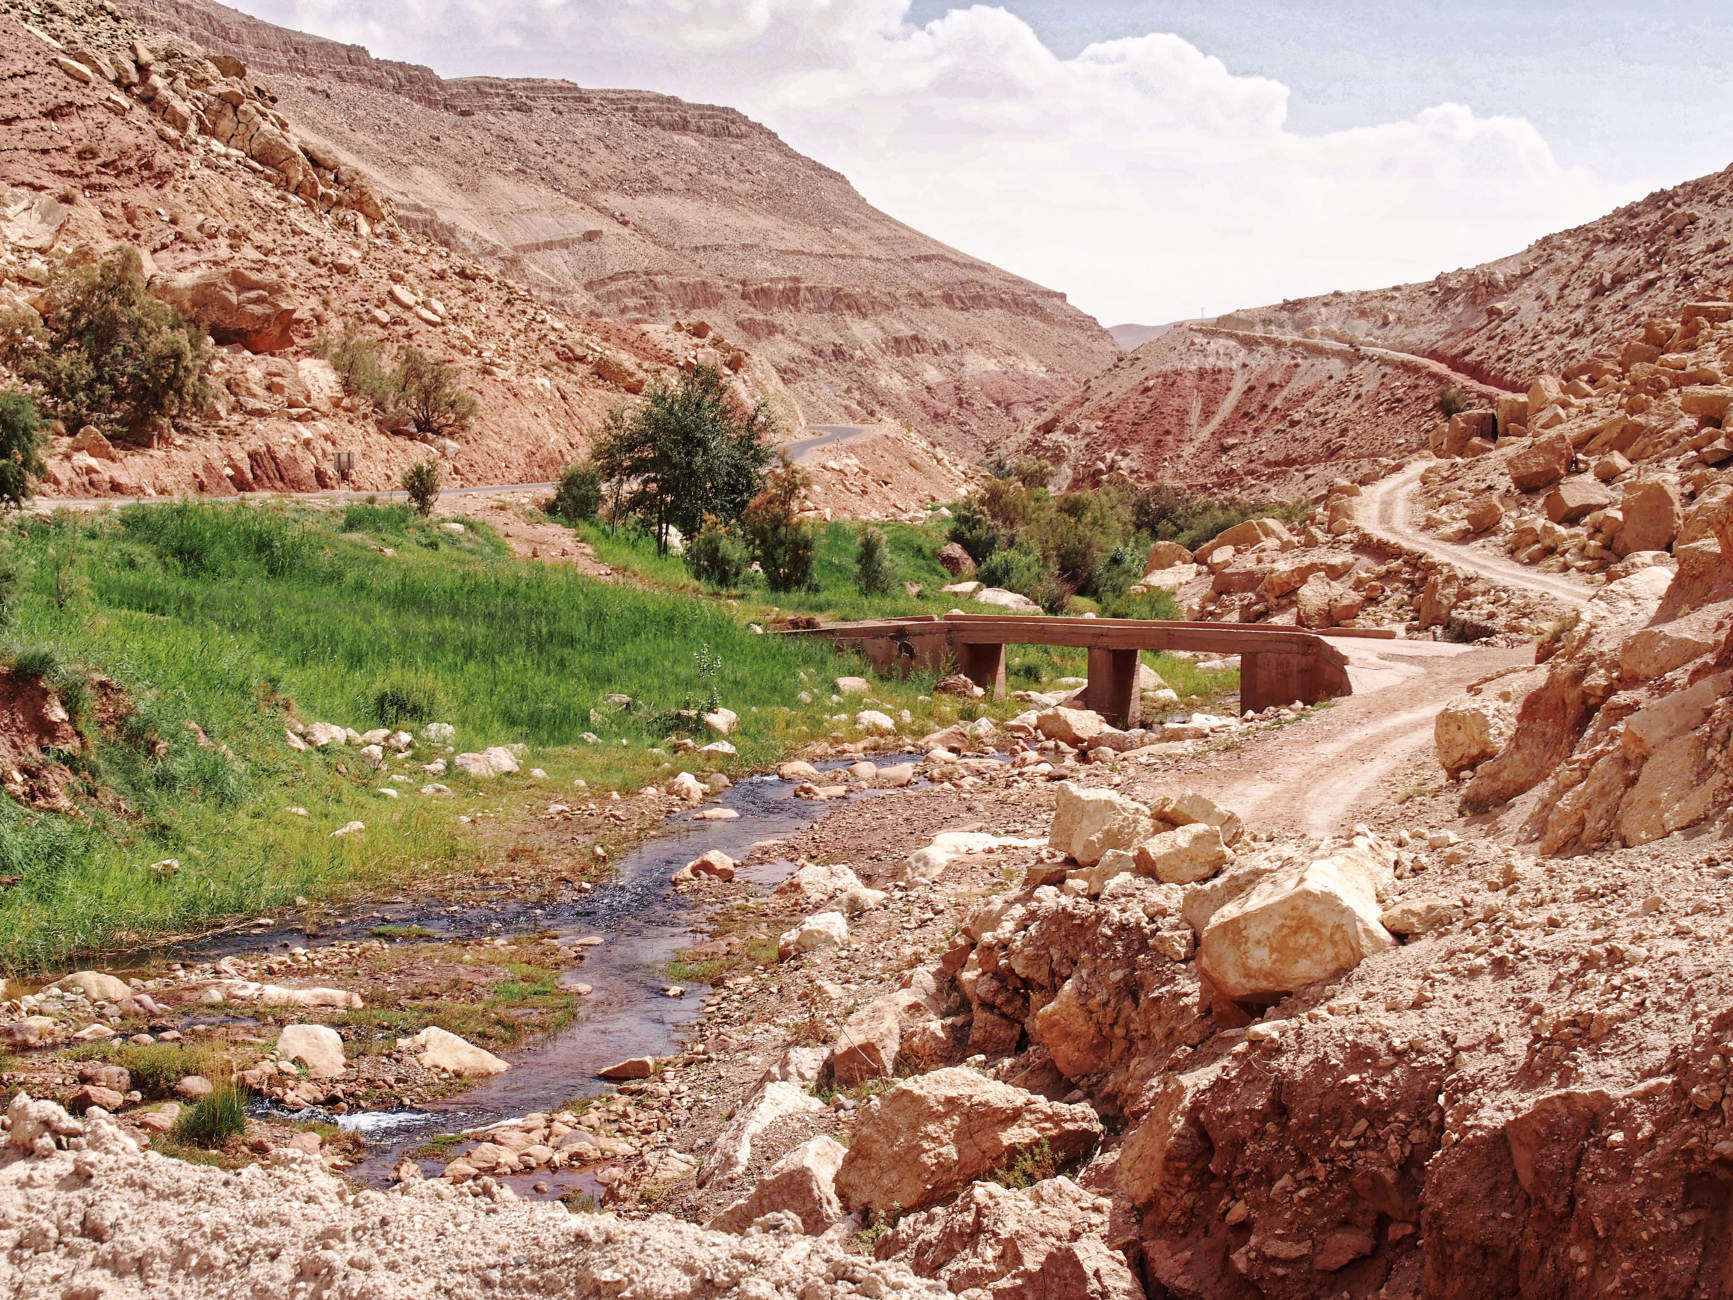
<point x="1141" y="176"/>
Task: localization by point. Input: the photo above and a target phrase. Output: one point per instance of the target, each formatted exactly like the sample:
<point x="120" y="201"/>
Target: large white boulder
<point x="318" y="1047"/>
<point x="1183" y="855"/>
<point x="496" y="760"/>
<point x="1298" y="926"/>
<point x="95" y="985"/>
<point x="1087" y="823"/>
<point x="801" y="1182"/>
<point x="731" y="1150"/>
<point x="1009" y="601"/>
<point x="440" y="1049"/>
<point x="825" y="930"/>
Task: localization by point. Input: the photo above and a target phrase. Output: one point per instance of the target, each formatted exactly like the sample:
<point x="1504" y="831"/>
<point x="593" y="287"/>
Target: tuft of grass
<point x="213" y="1120"/>
<point x="155" y="1068"/>
<point x="1031" y="1165"/>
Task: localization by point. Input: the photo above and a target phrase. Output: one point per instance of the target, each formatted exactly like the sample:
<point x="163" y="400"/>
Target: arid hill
<point x="647" y="209"/>
<point x="1283" y="397"/>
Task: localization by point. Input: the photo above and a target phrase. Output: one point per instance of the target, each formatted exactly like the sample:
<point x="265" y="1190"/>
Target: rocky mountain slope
<point x="646" y="209"/>
<point x="1262" y="394"/>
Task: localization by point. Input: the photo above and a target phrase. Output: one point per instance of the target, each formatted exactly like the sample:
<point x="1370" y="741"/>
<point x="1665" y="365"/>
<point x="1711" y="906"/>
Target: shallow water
<point x="644" y="922"/>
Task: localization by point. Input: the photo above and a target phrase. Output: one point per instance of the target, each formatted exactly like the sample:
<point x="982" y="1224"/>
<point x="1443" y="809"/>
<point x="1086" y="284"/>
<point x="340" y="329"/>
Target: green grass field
<point x="236" y="617"/>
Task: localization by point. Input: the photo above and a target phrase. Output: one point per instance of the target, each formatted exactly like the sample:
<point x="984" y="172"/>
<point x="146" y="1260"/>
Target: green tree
<point x="425" y="391"/>
<point x="688" y="450"/>
<point x="784" y="544"/>
<point x="873" y="573"/>
<point x="107" y="353"/>
<point x="20" y="447"/>
<point x="421" y="483"/>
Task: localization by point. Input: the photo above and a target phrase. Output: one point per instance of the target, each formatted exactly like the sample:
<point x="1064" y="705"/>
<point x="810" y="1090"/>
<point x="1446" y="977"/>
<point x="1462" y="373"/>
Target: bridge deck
<point x="1278" y="665"/>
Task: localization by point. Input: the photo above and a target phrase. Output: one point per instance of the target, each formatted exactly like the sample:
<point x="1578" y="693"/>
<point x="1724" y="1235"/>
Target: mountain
<point x="1285" y="397"/>
<point x="645" y="209"/>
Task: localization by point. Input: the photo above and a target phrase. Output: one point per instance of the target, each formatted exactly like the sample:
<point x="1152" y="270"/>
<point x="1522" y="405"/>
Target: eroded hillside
<point x="647" y="209"/>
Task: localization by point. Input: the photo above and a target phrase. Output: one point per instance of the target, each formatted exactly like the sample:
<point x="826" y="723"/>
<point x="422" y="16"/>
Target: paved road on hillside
<point x="826" y="435"/>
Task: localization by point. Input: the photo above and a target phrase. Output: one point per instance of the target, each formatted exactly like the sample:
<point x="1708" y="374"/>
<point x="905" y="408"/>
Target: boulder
<point x="496" y="760"/>
<point x="1574" y="498"/>
<point x="930" y="863"/>
<point x="866" y="1046"/>
<point x="685" y="786"/>
<point x="1039" y="1243"/>
<point x="934" y="1134"/>
<point x="1652" y="516"/>
<point x="956" y="561"/>
<point x="817" y="881"/>
<point x="1322" y="603"/>
<point x="1164" y="555"/>
<point x="1183" y="855"/>
<point x="853" y="686"/>
<point x="1087" y="823"/>
<point x="95" y="1095"/>
<point x="1009" y="601"/>
<point x="318" y="1047"/>
<point x="1076" y="727"/>
<point x="1512" y="412"/>
<point x="874" y="721"/>
<point x="801" y="1182"/>
<point x="1540" y="465"/>
<point x="95" y="985"/>
<point x="236" y="305"/>
<point x="1192" y="807"/>
<point x="1468" y="732"/>
<point x="439" y="1049"/>
<point x="824" y="930"/>
<point x="1298" y="926"/>
<point x="731" y="1149"/>
<point x="1483" y="512"/>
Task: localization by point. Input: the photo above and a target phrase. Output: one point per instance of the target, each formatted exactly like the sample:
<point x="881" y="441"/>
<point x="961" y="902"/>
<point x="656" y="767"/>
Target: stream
<point x="644" y="923"/>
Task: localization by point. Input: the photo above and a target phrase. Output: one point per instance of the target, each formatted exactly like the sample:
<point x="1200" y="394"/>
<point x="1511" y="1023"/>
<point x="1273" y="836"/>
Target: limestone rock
<point x="825" y="930"/>
<point x="1087" y="823"/>
<point x="1540" y="465"/>
<point x="1183" y="855"/>
<point x="731" y="1150"/>
<point x="439" y="1049"/>
<point x="1652" y="516"/>
<point x="933" y="1134"/>
<point x="318" y="1047"/>
<point x="801" y="1182"/>
<point x="1574" y="498"/>
<point x="1076" y="727"/>
<point x="1044" y="1241"/>
<point x="1468" y="732"/>
<point x="95" y="985"/>
<point x="236" y="305"/>
<point x="1009" y="601"/>
<point x="956" y="561"/>
<point x="1165" y="555"/>
<point x="496" y="760"/>
<point x="1297" y="927"/>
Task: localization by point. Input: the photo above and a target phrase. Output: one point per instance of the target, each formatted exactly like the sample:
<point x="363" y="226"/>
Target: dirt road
<point x="1386" y="509"/>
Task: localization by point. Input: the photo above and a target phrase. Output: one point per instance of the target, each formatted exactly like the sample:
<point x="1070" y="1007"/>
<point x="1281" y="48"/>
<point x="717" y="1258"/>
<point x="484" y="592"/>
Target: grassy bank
<point x="235" y="618"/>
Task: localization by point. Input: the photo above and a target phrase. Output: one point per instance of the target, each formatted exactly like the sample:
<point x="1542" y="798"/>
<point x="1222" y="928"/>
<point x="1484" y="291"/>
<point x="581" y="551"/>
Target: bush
<point x="421" y="481"/>
<point x="407" y="699"/>
<point x="1120" y="571"/>
<point x="1019" y="568"/>
<point x="418" y="392"/>
<point x="873" y="573"/>
<point x="579" y="495"/>
<point x="1155" y="604"/>
<point x="20" y="447"/>
<point x="716" y="557"/>
<point x="213" y="1120"/>
<point x="689" y="450"/>
<point x="108" y="353"/>
<point x="783" y="544"/>
<point x="1452" y="401"/>
<point x="1169" y="514"/>
<point x="975" y="531"/>
<point x="426" y="393"/>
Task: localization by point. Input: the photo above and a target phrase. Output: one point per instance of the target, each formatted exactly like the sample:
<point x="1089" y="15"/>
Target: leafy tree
<point x="873" y="572"/>
<point x="107" y="352"/>
<point x="427" y="394"/>
<point x="690" y="449"/>
<point x="783" y="544"/>
<point x="579" y="495"/>
<point x="717" y="557"/>
<point x="20" y="447"/>
<point x="421" y="481"/>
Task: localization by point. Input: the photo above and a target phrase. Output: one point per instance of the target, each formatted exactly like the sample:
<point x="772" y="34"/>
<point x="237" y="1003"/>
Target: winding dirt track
<point x="1386" y="510"/>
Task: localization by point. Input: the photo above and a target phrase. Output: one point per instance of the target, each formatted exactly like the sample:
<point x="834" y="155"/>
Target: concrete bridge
<point x="1278" y="665"/>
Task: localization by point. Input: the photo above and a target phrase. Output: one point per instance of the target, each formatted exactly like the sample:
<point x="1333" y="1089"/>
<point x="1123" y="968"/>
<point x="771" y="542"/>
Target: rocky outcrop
<point x="235" y="305"/>
<point x="934" y="1134"/>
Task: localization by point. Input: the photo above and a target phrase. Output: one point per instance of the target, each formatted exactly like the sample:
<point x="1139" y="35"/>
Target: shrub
<point x="426" y="393"/>
<point x="783" y="544"/>
<point x="214" y="1119"/>
<point x="975" y="531"/>
<point x="579" y="495"/>
<point x="873" y="573"/>
<point x="107" y="352"/>
<point x="406" y="699"/>
<point x="360" y="365"/>
<point x="717" y="557"/>
<point x="1452" y="401"/>
<point x="1017" y="568"/>
<point x="689" y="450"/>
<point x="1144" y="604"/>
<point x="1118" y="572"/>
<point x="421" y="481"/>
<point x="20" y="447"/>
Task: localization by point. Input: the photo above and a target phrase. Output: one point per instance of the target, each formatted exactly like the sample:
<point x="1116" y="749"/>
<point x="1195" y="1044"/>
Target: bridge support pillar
<point x="1275" y="679"/>
<point x="1112" y="689"/>
<point x="985" y="666"/>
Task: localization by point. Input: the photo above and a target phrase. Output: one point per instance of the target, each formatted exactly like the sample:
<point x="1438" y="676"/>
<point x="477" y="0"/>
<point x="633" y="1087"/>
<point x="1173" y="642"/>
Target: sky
<point x="1158" y="159"/>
